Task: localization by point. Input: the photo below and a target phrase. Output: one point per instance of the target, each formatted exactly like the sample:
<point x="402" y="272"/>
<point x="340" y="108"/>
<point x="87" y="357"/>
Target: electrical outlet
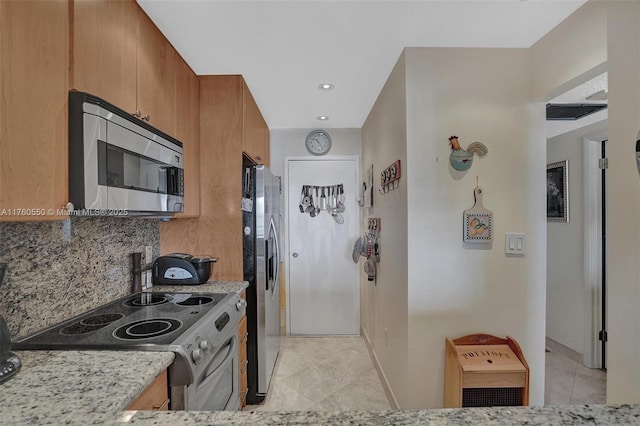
<point x="148" y="255"/>
<point x="386" y="336"/>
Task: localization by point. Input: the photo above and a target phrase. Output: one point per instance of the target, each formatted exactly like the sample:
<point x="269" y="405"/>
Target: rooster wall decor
<point x="461" y="159"/>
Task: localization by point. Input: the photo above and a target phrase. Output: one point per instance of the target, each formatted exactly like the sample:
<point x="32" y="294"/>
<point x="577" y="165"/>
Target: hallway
<point x="324" y="374"/>
<point x="568" y="382"/>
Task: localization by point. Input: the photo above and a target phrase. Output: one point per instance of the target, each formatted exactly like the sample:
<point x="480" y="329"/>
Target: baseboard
<point x="383" y="378"/>
<point x="555" y="346"/>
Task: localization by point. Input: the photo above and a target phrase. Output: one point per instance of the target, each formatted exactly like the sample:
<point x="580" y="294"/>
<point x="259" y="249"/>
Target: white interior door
<point x="323" y="296"/>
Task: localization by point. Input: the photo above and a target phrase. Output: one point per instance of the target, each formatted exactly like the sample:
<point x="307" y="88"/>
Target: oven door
<point x="217" y="387"/>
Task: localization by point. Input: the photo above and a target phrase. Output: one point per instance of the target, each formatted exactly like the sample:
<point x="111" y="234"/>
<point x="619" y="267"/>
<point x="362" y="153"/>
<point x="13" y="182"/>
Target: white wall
<point x="384" y="303"/>
<point x="457" y="289"/>
<point x="623" y="219"/>
<point x="568" y="301"/>
<point x="290" y="143"/>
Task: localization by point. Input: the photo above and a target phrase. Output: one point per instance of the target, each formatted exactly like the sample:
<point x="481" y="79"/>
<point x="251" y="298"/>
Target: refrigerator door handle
<point x="276" y="255"/>
<point x="272" y="253"/>
<point x="268" y="263"/>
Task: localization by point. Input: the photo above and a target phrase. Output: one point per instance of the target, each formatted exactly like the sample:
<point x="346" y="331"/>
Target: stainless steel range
<point x="200" y="328"/>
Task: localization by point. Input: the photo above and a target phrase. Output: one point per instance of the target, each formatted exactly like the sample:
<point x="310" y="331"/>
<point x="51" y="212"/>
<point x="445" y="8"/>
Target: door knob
<point x="294" y="254"/>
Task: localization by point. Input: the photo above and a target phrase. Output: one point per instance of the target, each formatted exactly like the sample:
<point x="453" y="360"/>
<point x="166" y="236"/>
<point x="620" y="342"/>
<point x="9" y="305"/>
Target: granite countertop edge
<point x="212" y="286"/>
<point x="565" y="415"/>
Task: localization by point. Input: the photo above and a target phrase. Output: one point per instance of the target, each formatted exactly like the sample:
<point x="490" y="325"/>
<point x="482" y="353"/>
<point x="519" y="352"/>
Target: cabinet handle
<point x="137" y="114"/>
<point x="147" y="117"/>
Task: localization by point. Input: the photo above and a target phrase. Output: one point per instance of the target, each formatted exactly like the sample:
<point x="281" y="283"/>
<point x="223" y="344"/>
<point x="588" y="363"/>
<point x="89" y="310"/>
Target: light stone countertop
<point x="94" y="387"/>
<point x="208" y="287"/>
<point x="569" y="415"/>
<point x="55" y="386"/>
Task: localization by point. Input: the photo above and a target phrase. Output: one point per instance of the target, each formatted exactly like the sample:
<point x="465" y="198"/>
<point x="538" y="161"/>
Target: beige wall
<point x="572" y="53"/>
<point x="623" y="221"/>
<point x="450" y="289"/>
<point x="384" y="303"/>
<point x="609" y="31"/>
<point x="455" y="288"/>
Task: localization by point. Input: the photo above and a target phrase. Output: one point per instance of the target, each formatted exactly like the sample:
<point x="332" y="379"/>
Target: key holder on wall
<point x="390" y="177"/>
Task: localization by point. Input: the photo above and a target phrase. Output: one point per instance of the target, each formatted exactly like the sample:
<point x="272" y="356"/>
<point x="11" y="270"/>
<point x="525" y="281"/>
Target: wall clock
<point x="318" y="142"/>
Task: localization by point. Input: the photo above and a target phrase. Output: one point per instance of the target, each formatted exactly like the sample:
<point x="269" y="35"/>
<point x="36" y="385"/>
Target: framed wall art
<point x="558" y="191"/>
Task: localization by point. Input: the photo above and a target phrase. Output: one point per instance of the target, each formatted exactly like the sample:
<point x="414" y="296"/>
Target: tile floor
<point x="324" y="373"/>
<point x="336" y="373"/>
<point x="568" y="382"/>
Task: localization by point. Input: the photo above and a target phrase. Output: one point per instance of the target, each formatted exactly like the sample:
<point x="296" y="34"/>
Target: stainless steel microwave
<point x="119" y="165"/>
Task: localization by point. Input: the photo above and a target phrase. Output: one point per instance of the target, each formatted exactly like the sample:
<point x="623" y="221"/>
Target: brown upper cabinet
<point x="188" y="131"/>
<point x="255" y="138"/>
<point x="120" y="56"/>
<point x="34" y="59"/>
<point x="229" y="119"/>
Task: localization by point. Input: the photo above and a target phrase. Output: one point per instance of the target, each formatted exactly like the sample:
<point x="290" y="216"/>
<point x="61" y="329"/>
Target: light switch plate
<point x="515" y="243"/>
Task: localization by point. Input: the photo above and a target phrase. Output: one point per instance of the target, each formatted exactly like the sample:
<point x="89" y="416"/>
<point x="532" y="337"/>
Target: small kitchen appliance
<point x="119" y="165"/>
<point x="9" y="362"/>
<point x="181" y="269"/>
<point x="199" y="328"/>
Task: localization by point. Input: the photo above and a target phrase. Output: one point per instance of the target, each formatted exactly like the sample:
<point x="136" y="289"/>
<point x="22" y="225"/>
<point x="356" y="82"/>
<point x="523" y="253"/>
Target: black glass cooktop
<point x="142" y="318"/>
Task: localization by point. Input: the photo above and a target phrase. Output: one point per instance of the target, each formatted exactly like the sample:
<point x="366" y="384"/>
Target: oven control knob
<point x="204" y="345"/>
<point x="241" y="304"/>
<point x="196" y="355"/>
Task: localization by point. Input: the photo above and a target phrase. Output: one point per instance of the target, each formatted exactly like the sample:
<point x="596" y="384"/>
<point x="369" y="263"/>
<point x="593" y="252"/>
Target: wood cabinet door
<point x="34" y="61"/>
<point x="104" y="40"/>
<point x="188" y="132"/>
<point x="253" y="139"/>
<point x="155" y="397"/>
<point x="156" y="83"/>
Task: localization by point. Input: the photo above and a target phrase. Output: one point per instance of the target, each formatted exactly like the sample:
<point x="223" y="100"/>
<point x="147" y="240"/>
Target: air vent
<point x="572" y="111"/>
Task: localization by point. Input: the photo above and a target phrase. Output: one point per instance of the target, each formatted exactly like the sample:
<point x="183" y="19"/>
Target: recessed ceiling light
<point x="323" y="118"/>
<point x="326" y="86"/>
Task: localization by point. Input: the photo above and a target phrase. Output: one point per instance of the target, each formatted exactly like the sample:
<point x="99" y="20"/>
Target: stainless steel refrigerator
<point x="261" y="221"/>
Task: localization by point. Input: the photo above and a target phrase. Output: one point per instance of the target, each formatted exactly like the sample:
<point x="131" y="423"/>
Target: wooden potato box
<point x="485" y="371"/>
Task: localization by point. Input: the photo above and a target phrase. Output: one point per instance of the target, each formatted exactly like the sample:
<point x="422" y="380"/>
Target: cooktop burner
<point x="196" y="300"/>
<point x="92" y="323"/>
<point x="146" y="299"/>
<point x="147" y="318"/>
<point x="146" y="329"/>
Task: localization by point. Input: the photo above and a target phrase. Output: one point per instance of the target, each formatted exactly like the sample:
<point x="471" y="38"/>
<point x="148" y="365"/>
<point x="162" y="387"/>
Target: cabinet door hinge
<point x="603" y="163"/>
<point x="602" y="335"/>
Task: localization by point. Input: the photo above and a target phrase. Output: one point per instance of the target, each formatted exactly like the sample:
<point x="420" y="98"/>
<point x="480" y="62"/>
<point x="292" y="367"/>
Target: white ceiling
<point x="285" y="49"/>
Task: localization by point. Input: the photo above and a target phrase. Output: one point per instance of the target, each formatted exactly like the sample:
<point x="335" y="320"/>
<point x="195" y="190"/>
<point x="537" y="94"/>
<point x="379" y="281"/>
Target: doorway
<point x="595" y="245"/>
<point x="576" y="287"/>
<point x="323" y="286"/>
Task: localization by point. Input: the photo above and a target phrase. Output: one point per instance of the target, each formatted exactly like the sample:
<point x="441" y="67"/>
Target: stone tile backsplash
<point x="57" y="270"/>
